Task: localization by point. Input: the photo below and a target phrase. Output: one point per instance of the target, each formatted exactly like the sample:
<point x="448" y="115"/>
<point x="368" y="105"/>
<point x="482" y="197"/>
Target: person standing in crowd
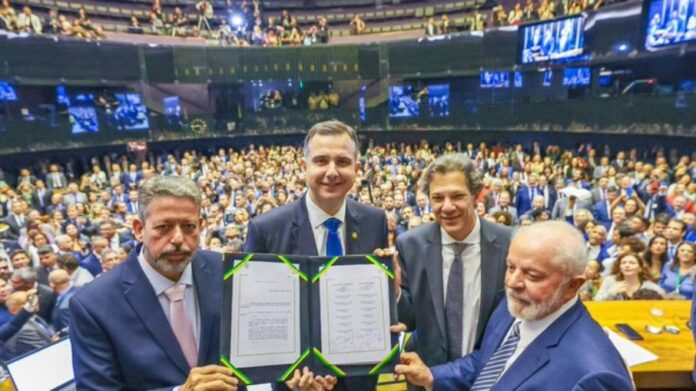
<point x="453" y="268"/>
<point x="154" y="321"/>
<point x="533" y="333"/>
<point x="323" y="221"/>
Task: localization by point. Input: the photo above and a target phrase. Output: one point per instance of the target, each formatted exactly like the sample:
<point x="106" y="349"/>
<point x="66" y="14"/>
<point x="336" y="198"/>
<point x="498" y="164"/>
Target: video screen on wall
<point x="560" y="38"/>
<point x="7" y="92"/>
<point x="670" y="22"/>
<point x="573" y="77"/>
<point x="131" y="113"/>
<point x="82" y="115"/>
<point x="408" y="101"/>
<point x="495" y="79"/>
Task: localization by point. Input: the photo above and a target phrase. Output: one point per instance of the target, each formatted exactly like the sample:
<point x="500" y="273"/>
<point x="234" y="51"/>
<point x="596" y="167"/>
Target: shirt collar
<point x="530" y="329"/>
<point x="159" y="282"/>
<point x="474" y="236"/>
<point x="317" y="216"/>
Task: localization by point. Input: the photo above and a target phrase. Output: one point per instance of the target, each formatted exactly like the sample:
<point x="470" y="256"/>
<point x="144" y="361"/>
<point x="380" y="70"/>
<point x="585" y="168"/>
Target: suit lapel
<point x="490" y="270"/>
<point x="141" y="296"/>
<point x="352" y="230"/>
<point x="433" y="267"/>
<point x="302" y="232"/>
<point x="536" y="355"/>
<point x="205" y="290"/>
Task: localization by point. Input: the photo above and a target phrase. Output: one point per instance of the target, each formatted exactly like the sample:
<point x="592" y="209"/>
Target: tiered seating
<point x="115" y="15"/>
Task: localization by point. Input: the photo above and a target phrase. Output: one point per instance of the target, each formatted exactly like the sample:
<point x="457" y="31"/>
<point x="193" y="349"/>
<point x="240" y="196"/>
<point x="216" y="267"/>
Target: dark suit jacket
<point x="523" y="202"/>
<point x="36" y="200"/>
<point x="92" y="264"/>
<point x="47" y="300"/>
<point x="61" y="312"/>
<point x="121" y="338"/>
<point x="573" y="353"/>
<point x="287" y="230"/>
<point x="601" y="212"/>
<point x="422" y="303"/>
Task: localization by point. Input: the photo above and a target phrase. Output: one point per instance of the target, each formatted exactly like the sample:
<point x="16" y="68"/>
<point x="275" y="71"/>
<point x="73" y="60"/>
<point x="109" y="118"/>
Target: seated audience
<point x="628" y="275"/>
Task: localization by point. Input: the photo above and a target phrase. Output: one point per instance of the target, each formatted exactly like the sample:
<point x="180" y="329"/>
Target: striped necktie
<point x="495" y="365"/>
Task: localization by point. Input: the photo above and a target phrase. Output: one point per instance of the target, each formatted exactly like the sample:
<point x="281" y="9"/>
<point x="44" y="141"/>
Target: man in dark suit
<point x="48" y="260"/>
<point x="532" y="334"/>
<point x="602" y="208"/>
<point x="24" y="279"/>
<point x="131" y="178"/>
<point x="304" y="227"/>
<point x="59" y="281"/>
<point x="153" y="321"/>
<point x="93" y="261"/>
<point x="453" y="268"/>
<point x="17" y="220"/>
<point x="41" y="197"/>
<point x="525" y="194"/>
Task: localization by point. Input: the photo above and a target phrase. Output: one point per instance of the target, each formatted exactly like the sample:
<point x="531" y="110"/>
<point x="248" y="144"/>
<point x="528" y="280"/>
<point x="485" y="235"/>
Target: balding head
<point x="59" y="280"/>
<point x="545" y="269"/>
<point x="15" y="302"/>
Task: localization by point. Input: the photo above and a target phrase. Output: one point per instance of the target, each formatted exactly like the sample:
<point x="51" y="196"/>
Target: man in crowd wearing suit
<point x="504" y="206"/>
<point x="41" y="197"/>
<point x="35" y="333"/>
<point x="526" y="193"/>
<point x="24" y="279"/>
<point x="602" y="208"/>
<point x="324" y="222"/>
<point x="59" y="281"/>
<point x="538" y="338"/>
<point x="48" y="260"/>
<point x="17" y="220"/>
<point x="73" y="195"/>
<point x="453" y="268"/>
<point x="153" y="321"/>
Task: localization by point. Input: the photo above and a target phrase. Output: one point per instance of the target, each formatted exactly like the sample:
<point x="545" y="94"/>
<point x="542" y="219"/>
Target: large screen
<point x="82" y="115"/>
<point x="670" y="22"/>
<point x="402" y="102"/>
<point x="131" y="113"/>
<point x="495" y="79"/>
<point x="430" y="100"/>
<point x="7" y="92"/>
<point x="560" y="38"/>
<point x="573" y="77"/>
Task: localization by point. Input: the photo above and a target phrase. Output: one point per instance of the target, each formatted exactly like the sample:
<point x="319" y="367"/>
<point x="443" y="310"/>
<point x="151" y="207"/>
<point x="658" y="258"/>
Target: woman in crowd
<point x="628" y="275"/>
<point x="678" y="276"/>
<point x="593" y="280"/>
<point x="655" y="256"/>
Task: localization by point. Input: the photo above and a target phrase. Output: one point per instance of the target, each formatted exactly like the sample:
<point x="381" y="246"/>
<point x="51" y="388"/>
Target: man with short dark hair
<point x="20" y="259"/>
<point x="324" y="221"/>
<point x="462" y="258"/>
<point x="48" y="260"/>
<point x="538" y="338"/>
<point x="674" y="232"/>
<point x="59" y="281"/>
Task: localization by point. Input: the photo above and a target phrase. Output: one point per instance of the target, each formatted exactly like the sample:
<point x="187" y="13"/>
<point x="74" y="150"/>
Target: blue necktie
<point x="495" y="365"/>
<point x="333" y="242"/>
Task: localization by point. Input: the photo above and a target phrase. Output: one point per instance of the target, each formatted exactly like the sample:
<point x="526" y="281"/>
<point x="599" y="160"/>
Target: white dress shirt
<point x="531" y="329"/>
<point x="471" y="258"/>
<point x="161" y="283"/>
<point x="317" y="218"/>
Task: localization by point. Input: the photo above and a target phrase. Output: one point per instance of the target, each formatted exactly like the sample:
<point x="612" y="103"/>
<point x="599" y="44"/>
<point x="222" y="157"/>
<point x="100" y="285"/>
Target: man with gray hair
<point x="453" y="268"/>
<point x="153" y="321"/>
<point x="93" y="261"/>
<point x="24" y="279"/>
<point x="533" y="333"/>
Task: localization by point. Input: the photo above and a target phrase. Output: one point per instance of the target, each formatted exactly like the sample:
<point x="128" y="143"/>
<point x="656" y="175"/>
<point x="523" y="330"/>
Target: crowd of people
<point x="65" y="226"/>
<point x="533" y="10"/>
<point x="54" y="23"/>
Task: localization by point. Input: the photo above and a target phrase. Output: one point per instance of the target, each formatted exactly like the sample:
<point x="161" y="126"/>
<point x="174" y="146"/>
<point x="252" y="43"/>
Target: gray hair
<point x="97" y="238"/>
<point x="166" y="186"/>
<point x="26" y="274"/>
<point x="565" y="242"/>
<point x="106" y="252"/>
<point x="453" y="162"/>
<point x="327" y="128"/>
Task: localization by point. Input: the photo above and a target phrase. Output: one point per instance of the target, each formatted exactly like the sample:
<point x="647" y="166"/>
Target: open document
<point x="355" y="314"/>
<point x="266" y="327"/>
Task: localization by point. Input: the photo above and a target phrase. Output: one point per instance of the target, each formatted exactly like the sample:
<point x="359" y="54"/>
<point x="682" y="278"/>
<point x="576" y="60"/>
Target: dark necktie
<point x="333" y="242"/>
<point x="494" y="367"/>
<point x="454" y="302"/>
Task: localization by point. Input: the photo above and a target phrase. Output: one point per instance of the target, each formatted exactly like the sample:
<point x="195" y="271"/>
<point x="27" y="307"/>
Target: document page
<point x="354" y="301"/>
<point x="265" y="316"/>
